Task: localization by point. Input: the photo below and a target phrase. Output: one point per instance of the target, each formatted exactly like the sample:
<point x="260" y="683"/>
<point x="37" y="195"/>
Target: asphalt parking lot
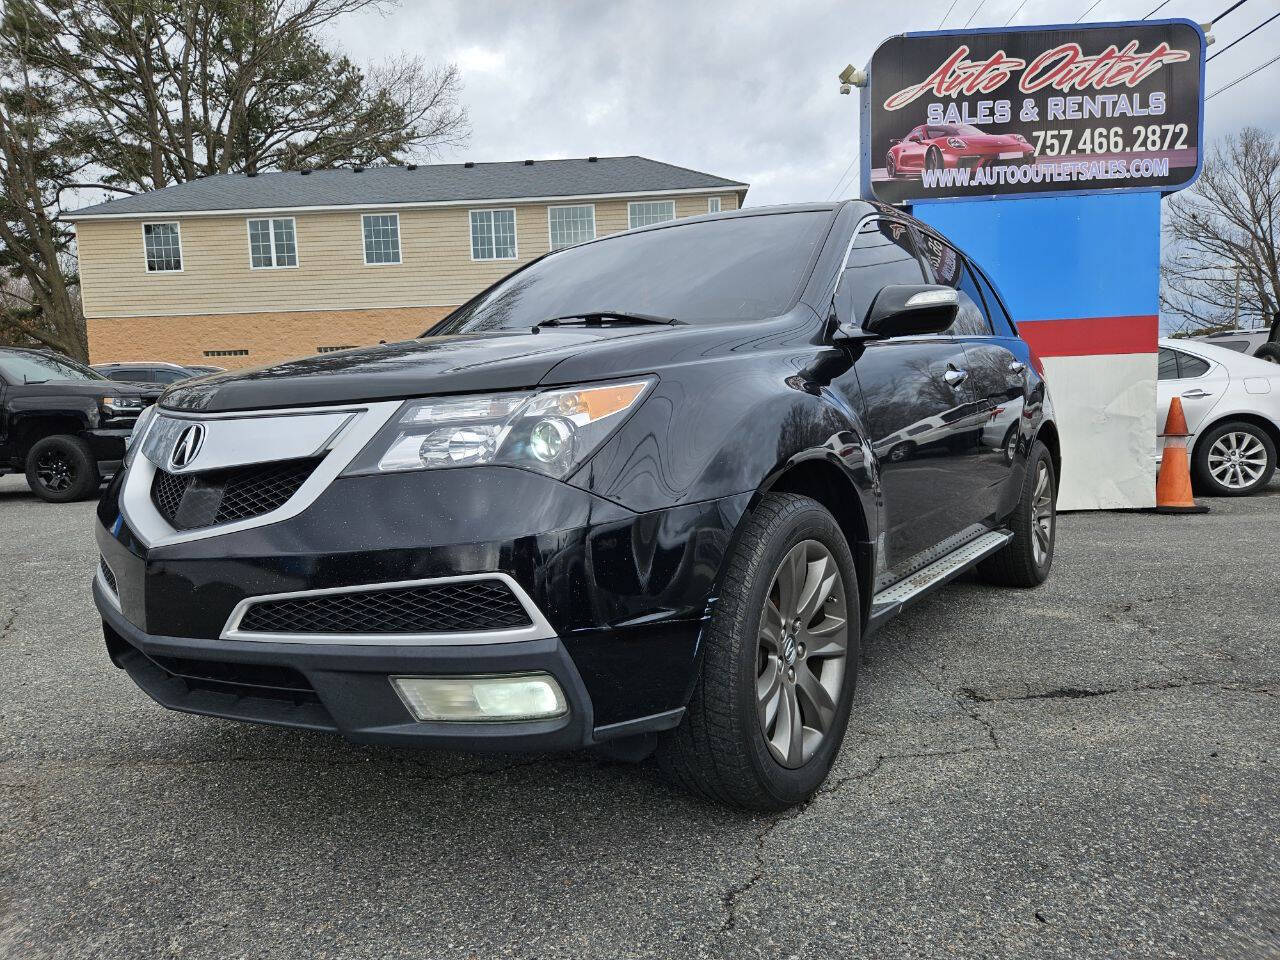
<point x="1085" y="770"/>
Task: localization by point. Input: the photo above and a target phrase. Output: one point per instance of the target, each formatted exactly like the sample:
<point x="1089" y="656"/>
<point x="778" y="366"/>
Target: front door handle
<point x="1197" y="394"/>
<point x="955" y="377"/>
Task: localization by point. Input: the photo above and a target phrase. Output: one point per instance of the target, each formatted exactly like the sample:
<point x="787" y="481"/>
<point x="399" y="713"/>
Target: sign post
<point x="1044" y="152"/>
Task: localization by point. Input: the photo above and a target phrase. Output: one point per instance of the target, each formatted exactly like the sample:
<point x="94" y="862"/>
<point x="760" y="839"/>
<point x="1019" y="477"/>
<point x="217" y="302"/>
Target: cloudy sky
<point x="744" y="90"/>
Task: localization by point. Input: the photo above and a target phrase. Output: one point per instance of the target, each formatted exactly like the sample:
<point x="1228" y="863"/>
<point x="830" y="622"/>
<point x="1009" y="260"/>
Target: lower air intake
<point x="463" y="607"/>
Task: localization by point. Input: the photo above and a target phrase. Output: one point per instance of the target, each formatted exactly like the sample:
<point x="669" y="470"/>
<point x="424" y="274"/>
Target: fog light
<point x="527" y="696"/>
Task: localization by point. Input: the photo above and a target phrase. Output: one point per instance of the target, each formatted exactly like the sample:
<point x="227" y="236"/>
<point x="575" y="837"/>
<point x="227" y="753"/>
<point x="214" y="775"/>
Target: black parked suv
<point x="651" y="492"/>
<point x="62" y="424"/>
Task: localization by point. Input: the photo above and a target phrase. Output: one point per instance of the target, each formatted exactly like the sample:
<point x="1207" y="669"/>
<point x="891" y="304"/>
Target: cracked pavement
<point x="1084" y="770"/>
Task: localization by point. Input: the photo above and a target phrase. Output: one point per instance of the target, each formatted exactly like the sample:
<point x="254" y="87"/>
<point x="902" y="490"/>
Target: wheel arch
<point x="1255" y="419"/>
<point x="32" y="429"/>
<point x="820" y="479"/>
<point x="1048" y="435"/>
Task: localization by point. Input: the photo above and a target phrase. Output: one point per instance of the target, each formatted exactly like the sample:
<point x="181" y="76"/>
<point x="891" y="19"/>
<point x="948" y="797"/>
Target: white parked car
<point x="1232" y="403"/>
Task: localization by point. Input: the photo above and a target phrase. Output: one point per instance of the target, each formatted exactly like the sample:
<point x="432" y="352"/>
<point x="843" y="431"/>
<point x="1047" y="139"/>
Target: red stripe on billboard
<point x="1091" y="336"/>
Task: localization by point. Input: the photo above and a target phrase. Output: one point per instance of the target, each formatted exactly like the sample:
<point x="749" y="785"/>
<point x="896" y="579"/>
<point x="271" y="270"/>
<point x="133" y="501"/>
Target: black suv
<point x="651" y="491"/>
<point x="61" y="423"/>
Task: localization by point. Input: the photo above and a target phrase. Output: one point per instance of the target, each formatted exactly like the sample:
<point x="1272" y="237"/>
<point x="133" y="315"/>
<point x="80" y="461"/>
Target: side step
<point x="892" y="599"/>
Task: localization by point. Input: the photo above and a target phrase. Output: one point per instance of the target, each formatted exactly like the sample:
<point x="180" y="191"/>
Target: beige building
<point x="237" y="271"/>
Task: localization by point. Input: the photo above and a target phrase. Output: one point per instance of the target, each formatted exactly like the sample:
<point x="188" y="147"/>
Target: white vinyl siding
<point x="381" y="238"/>
<point x="493" y="234"/>
<point x="713" y="204"/>
<point x="570" y="225"/>
<point x="273" y="243"/>
<point x="162" y="244"/>
<point x="652" y="211"/>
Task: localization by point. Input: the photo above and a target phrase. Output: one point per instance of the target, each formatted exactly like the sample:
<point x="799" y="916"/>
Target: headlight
<point x="956" y="142"/>
<point x="552" y="431"/>
<point x="131" y="444"/>
<point x="117" y="405"/>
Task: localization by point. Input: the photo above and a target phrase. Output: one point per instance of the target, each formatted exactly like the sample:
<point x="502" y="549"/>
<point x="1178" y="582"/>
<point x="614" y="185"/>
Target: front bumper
<point x="625" y="596"/>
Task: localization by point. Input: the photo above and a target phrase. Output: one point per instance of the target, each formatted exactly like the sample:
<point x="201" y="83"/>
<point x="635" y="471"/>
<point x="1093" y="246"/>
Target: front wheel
<point x="1025" y="560"/>
<point x="61" y="469"/>
<point x="770" y="708"/>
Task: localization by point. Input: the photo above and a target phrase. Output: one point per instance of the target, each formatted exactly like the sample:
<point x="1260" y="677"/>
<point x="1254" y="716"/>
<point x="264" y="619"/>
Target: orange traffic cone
<point x="1173" y="484"/>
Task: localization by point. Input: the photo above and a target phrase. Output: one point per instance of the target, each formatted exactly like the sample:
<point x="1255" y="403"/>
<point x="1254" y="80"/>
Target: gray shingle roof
<point x="429" y="183"/>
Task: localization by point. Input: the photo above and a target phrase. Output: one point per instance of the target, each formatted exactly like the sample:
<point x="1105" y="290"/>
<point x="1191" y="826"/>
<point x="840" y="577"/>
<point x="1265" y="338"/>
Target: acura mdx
<point x="650" y="493"/>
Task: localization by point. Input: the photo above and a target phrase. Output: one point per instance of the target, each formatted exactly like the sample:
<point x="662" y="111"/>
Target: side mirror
<point x="906" y="310"/>
<point x="894" y="140"/>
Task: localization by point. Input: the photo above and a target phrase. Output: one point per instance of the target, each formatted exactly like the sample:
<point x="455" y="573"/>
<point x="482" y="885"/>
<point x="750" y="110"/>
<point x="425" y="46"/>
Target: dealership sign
<point x="1039" y="110"/>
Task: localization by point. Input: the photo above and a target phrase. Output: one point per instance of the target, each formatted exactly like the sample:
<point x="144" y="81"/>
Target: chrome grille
<point x="189" y="501"/>
<point x="462" y="607"/>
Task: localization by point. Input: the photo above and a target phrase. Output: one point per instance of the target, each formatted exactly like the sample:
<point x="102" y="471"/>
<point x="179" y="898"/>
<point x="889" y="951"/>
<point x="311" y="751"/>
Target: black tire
<point x="890" y="167"/>
<point x="1019" y="563"/>
<point x="719" y="751"/>
<point x="1269" y="352"/>
<point x="933" y="159"/>
<point x="61" y="468"/>
<point x="1261" y="446"/>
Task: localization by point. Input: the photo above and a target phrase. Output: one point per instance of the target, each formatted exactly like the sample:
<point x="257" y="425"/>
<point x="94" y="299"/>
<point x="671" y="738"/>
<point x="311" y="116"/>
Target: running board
<point x="892" y="599"/>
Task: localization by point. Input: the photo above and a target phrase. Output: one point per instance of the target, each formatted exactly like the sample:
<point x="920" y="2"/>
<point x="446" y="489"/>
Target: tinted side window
<point x="1189" y="366"/>
<point x="129" y="376"/>
<point x="1239" y="346"/>
<point x="882" y="254"/>
<point x="1001" y="322"/>
<point x="171" y="376"/>
<point x="1168" y="369"/>
<point x="950" y="269"/>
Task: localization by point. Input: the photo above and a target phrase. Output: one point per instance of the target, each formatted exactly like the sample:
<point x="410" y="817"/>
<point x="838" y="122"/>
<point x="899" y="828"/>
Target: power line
<point x="1238" y="39"/>
<point x="1015" y="13"/>
<point x="1089" y="11"/>
<point x="1235" y="6"/>
<point x="1158" y="8"/>
<point x="1245" y="76"/>
<point x="947" y="14"/>
<point x="840" y="182"/>
<point x="974" y="14"/>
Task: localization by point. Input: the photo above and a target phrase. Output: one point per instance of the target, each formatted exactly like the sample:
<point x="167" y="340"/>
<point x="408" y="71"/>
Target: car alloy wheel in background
<point x="1237" y="460"/>
<point x="802" y="651"/>
<point x="55" y="471"/>
<point x="1042" y="513"/>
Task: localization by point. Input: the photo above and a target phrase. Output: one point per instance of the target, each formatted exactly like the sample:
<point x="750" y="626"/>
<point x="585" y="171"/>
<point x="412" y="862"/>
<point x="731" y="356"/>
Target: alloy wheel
<point x="1237" y="460"/>
<point x="55" y="471"/>
<point x="802" y="652"/>
<point x="1042" y="514"/>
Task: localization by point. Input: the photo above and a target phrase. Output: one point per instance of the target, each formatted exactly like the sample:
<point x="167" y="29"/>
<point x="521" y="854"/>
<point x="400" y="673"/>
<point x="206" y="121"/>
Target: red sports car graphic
<point x="950" y="145"/>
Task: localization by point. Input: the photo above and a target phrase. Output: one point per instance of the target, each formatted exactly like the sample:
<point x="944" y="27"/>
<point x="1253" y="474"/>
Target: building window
<point x="570" y="225"/>
<point x="349" y="346"/>
<point x="653" y="211"/>
<point x="713" y="204"/>
<point x="493" y="234"/>
<point x="272" y="243"/>
<point x="381" y="238"/>
<point x="226" y="353"/>
<point x="163" y="245"/>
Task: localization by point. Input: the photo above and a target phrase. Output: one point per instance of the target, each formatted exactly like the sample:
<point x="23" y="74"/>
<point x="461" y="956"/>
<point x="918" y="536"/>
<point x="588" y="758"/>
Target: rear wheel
<point x="890" y="167"/>
<point x="1025" y="560"/>
<point x="933" y="159"/>
<point x="61" y="469"/>
<point x="769" y="711"/>
<point x="1269" y="352"/>
<point x="1234" y="459"/>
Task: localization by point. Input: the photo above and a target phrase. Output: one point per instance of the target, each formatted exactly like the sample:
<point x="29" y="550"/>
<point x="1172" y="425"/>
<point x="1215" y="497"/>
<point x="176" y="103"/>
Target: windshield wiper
<point x="596" y="318"/>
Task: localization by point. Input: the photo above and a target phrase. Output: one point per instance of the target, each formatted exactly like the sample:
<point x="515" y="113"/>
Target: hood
<point x="434" y="365"/>
<point x="86" y="388"/>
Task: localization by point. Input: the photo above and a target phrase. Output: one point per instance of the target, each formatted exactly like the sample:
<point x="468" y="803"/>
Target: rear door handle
<point x="955" y="377"/>
<point x="1197" y="394"/>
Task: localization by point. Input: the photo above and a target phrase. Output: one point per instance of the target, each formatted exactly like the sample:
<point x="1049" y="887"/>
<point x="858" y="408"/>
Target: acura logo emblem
<point x="188" y="446"/>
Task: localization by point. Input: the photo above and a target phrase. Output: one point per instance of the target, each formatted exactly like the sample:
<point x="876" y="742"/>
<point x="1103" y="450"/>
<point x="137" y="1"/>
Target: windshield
<point x="955" y="129"/>
<point x="740" y="268"/>
<point x="38" y="367"/>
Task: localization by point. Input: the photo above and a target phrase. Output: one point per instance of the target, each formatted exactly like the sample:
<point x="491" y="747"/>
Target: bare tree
<point x="180" y="89"/>
<point x="1221" y="265"/>
<point x="39" y="289"/>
